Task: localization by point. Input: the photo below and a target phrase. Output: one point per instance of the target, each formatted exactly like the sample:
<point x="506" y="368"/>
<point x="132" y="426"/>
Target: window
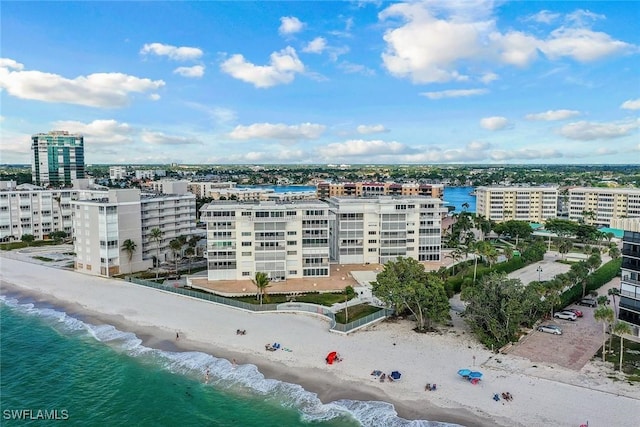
<point x="291" y="233"/>
<point x="246" y="273"/>
<point x="246" y="253"/>
<point x="291" y="242"/>
<point x="246" y="243"/>
<point x="246" y="233"/>
<point x="292" y="252"/>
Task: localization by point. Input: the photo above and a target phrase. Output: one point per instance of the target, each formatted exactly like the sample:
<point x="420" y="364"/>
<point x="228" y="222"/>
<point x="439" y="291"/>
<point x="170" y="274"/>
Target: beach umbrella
<point x="395" y="375"/>
<point x="464" y="372"/>
<point x="475" y="374"/>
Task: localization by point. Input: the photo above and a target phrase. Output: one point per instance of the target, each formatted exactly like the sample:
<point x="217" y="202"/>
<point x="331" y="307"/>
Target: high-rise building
<point x="599" y="206"/>
<point x="381" y="229"/>
<point x="533" y="204"/>
<point x="57" y="158"/>
<point x="629" y="310"/>
<point x="284" y="240"/>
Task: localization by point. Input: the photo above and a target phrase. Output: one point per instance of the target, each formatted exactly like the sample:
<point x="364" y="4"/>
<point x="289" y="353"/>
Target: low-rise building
<point x="117" y="173"/>
<point x="326" y="190"/>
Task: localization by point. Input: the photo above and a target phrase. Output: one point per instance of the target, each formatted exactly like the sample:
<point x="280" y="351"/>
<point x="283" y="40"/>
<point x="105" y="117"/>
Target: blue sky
<point x="318" y="82"/>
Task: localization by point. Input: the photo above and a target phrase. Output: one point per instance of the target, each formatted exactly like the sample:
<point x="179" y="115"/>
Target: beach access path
<point x="543" y="395"/>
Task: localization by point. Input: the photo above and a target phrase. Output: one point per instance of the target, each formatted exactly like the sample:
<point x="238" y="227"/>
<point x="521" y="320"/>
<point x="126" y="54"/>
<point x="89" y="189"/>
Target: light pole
<point x="539" y="270"/>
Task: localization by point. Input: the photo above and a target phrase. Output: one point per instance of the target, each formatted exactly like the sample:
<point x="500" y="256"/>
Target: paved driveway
<point x="578" y="343"/>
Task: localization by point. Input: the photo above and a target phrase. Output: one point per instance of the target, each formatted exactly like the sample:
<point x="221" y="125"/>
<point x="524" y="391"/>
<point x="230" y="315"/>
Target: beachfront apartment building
<point x="285" y="240"/>
<point x="326" y="190"/>
<point x="600" y="205"/>
<point x="381" y="229"/>
<point x="167" y="186"/>
<point x="102" y="223"/>
<point x="531" y="204"/>
<point x="29" y="209"/>
<point x="629" y="305"/>
<point x="57" y="158"/>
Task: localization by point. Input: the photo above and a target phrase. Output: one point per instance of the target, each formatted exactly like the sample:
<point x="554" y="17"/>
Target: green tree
<point x="495" y="309"/>
<point x="176" y="246"/>
<point x="620" y="329"/>
<point x="605" y="315"/>
<point x="28" y="239"/>
<point x="614" y="252"/>
<point x="57" y="236"/>
<point x="613" y="293"/>
<point x="190" y="253"/>
<point x="156" y="236"/>
<point x="405" y="285"/>
<point x="129" y="246"/>
<point x="564" y="247"/>
<point x="261" y="280"/>
<point x="514" y="229"/>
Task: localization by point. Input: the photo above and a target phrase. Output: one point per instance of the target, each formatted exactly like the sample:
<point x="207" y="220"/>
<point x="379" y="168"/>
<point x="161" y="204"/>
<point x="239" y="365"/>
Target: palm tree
<point x="129" y="246"/>
<point x="564" y="247"/>
<point x="190" y="253"/>
<point x="604" y="314"/>
<point x="156" y="236"/>
<point x="621" y="328"/>
<point x="262" y="283"/>
<point x="175" y="246"/>
<point x="614" y="252"/>
<point x="613" y="292"/>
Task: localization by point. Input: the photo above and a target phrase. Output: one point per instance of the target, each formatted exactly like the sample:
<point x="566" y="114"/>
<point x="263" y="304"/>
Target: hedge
<point x="595" y="280"/>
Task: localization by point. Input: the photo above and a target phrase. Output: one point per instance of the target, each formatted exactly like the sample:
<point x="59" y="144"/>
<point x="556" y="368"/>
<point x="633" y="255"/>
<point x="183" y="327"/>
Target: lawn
<point x="356" y="312"/>
<point x="630" y="359"/>
<point x="326" y="299"/>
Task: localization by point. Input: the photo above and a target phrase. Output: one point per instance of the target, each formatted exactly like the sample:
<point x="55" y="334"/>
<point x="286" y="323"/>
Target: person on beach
<point x="234" y="363"/>
<point x="206" y="377"/>
<point x="177" y="336"/>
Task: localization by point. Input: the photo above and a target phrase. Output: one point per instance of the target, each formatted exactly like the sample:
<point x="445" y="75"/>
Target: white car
<point x="566" y="315"/>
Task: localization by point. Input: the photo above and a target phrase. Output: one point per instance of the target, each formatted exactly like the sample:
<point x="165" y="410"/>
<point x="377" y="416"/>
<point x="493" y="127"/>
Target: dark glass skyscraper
<point x="57" y="157"/>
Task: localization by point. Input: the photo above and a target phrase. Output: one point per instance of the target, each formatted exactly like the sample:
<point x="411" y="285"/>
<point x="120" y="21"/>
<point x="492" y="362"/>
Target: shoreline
<point x="155" y="316"/>
<point x="328" y="386"/>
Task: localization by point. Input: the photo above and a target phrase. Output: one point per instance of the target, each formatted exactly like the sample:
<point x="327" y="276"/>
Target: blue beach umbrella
<point x="395" y="375"/>
<point x="464" y="372"/>
<point x="475" y="374"/>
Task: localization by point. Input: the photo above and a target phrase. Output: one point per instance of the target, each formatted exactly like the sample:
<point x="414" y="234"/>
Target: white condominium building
<point x="102" y="224"/>
<point x="202" y="188"/>
<point x="167" y="186"/>
<point x="283" y="240"/>
<point x="381" y="229"/>
<point x="371" y="189"/>
<point x="532" y="204"/>
<point x="117" y="172"/>
<point x="28" y="209"/>
<point x="598" y="206"/>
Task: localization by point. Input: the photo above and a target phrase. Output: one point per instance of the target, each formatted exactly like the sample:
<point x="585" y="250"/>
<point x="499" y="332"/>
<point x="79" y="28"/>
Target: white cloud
<point x="154" y="97"/>
<point x="552" y="115"/>
<point x="359" y="147"/>
<point x="581" y="17"/>
<point x="544" y="17"/>
<point x="426" y="49"/>
<point x="488" y="78"/>
<point x="351" y="68"/>
<point x="631" y="104"/>
<point x="195" y="71"/>
<point x="582" y="44"/>
<point x="588" y="131"/>
<point x="100" y="132"/>
<point x="494" y="123"/>
<point x="454" y="93"/>
<point x="317" y="45"/>
<point x="369" y="129"/>
<point x="278" y="131"/>
<point x="282" y="68"/>
<point x="172" y="52"/>
<point x="106" y="90"/>
<point x="290" y="25"/>
<point x="160" y="138"/>
<point x="524" y="154"/>
<point x="436" y="42"/>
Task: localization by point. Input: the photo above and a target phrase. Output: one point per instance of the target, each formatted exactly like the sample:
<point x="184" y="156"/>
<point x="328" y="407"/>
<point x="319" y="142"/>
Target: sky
<point x="324" y="82"/>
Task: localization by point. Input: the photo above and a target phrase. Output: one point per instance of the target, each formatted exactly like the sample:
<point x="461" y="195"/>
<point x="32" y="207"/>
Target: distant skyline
<point x="320" y="82"/>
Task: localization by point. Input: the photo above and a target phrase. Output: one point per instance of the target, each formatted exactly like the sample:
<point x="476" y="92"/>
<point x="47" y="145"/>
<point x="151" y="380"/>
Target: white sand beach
<point x="543" y="395"/>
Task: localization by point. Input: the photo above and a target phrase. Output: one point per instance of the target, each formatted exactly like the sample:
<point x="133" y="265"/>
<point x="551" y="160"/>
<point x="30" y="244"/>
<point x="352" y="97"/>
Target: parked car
<point x="575" y="311"/>
<point x="566" y="315"/>
<point x="588" y="301"/>
<point x="550" y="329"/>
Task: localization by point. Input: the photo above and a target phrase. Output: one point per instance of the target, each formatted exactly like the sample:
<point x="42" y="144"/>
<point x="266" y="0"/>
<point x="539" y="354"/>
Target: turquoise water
<point x="457" y="196"/>
<point x="55" y="365"/>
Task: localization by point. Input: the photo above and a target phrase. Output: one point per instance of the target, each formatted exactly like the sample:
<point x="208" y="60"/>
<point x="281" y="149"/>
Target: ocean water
<point x="54" y="366"/>
<point x="457" y="196"/>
